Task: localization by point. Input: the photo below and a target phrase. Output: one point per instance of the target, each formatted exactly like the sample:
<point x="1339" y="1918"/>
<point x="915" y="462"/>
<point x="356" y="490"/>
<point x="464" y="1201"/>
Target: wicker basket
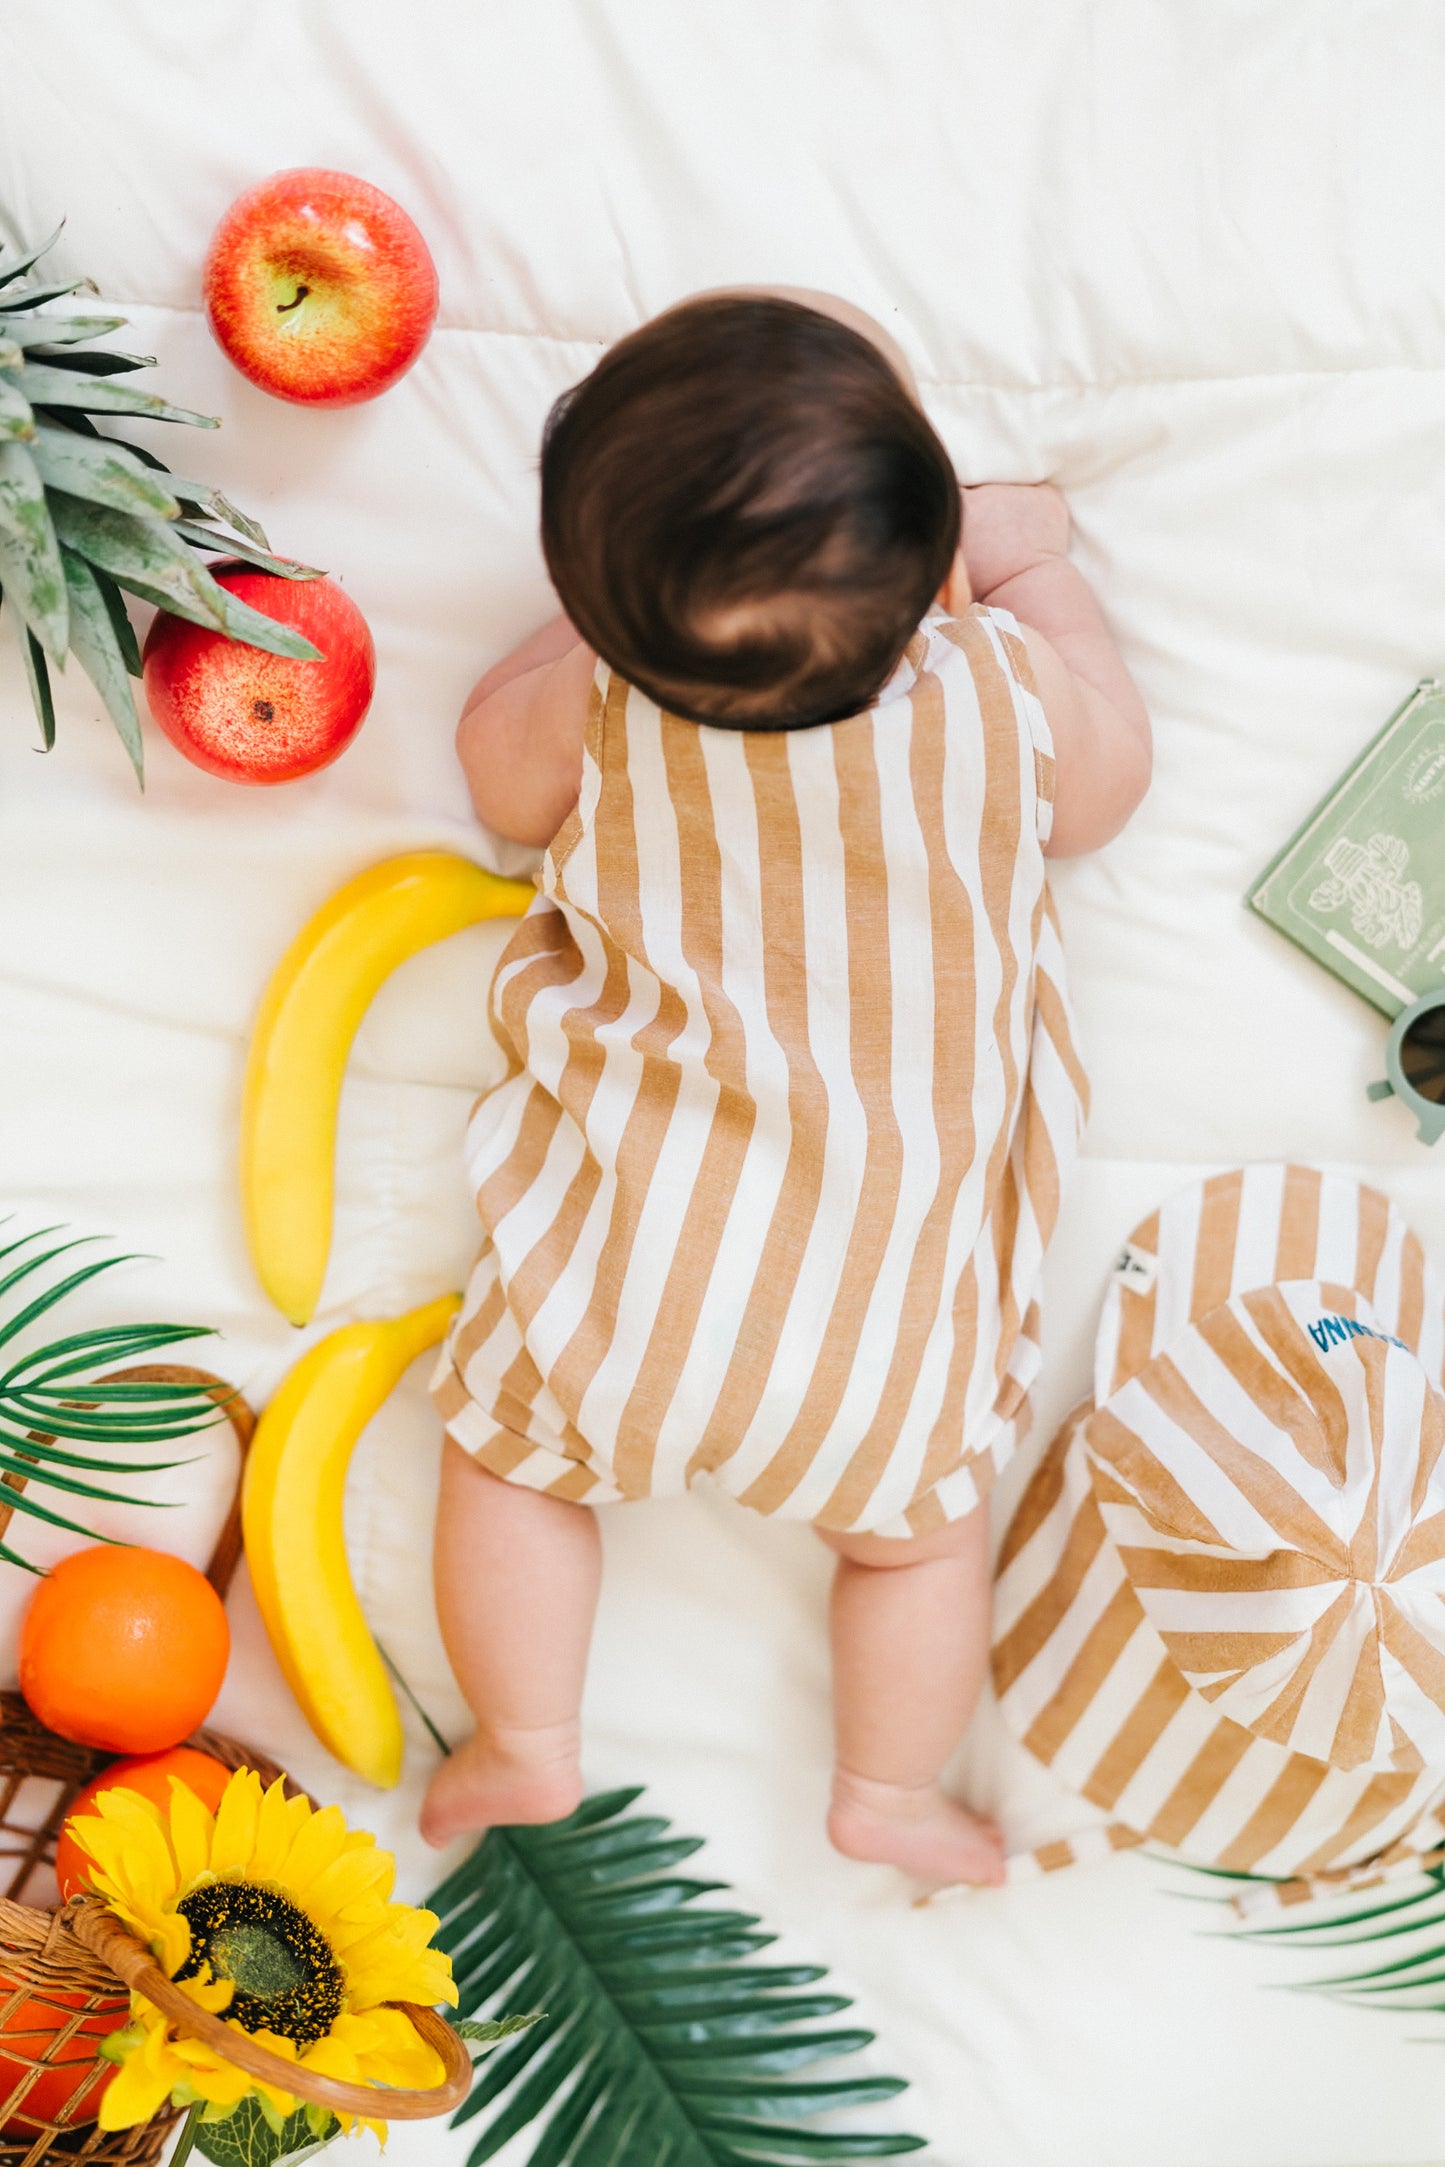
<point x="75" y="1964"/>
<point x="46" y="1973"/>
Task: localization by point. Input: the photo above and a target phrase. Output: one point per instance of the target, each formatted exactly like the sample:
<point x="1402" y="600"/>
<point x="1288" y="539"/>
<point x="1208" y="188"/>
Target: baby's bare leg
<point x="910" y="1642"/>
<point x="517" y="1575"/>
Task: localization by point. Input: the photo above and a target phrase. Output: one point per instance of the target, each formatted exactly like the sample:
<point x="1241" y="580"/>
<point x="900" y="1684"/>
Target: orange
<point x="151" y="1776"/>
<point x="70" y="2084"/>
<point x="123" y="1649"/>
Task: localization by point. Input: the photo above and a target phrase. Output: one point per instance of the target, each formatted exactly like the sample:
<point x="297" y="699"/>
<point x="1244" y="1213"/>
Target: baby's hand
<point x="1008" y="528"/>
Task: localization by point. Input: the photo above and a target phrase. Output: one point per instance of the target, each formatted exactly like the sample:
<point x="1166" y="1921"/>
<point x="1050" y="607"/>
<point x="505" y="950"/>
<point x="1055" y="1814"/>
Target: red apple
<point x="257" y="718"/>
<point x="319" y="288"/>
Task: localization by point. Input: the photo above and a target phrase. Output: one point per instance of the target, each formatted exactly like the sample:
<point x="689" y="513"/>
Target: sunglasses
<point x="1415" y="1061"/>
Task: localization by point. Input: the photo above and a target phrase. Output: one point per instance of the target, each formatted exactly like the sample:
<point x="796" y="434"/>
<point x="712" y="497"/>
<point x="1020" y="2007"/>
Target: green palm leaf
<point x="127" y="525"/>
<point x="1403" y="1931"/>
<point x="665" y="2041"/>
<point x="51" y="1397"/>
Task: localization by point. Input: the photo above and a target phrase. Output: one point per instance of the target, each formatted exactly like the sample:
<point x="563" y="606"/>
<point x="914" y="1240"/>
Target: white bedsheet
<point x="1186" y="260"/>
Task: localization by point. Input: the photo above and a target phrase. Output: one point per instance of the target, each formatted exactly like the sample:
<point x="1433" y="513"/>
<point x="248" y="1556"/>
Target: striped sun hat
<point x="1221" y="1602"/>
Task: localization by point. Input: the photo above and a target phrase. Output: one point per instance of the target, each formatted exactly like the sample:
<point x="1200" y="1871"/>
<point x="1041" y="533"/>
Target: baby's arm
<point x="521" y="734"/>
<point x="1015" y="540"/>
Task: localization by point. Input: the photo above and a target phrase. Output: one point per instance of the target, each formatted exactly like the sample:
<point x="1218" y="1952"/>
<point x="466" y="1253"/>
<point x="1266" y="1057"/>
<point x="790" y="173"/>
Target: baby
<point x="790" y="1078"/>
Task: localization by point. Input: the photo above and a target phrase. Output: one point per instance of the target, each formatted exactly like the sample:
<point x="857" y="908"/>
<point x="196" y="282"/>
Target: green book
<point x="1361" y="886"/>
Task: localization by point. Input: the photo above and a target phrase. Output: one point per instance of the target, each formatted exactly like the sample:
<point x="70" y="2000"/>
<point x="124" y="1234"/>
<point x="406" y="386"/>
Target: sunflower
<point x="276" y="1916"/>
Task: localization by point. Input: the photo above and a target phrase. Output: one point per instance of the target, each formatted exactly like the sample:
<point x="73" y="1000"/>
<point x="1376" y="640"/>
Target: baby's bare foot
<point x="501" y="1777"/>
<point x="918" y="1828"/>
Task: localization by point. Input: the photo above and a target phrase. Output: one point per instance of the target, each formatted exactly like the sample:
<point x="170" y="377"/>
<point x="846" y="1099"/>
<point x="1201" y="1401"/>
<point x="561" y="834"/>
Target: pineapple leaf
<point x="227" y="545"/>
<point x="195" y="495"/>
<point x="9" y="271"/>
<point x="98" y="651"/>
<point x="198" y="496"/>
<point x="201" y="497"/>
<point x="147" y="557"/>
<point x="16" y="418"/>
<point x="30" y="567"/>
<point x="256" y="629"/>
<point x="63" y="330"/>
<point x="104" y="472"/>
<point x="127" y="525"/>
<point x="49" y="386"/>
<point x="109" y="363"/>
<point x="37" y="672"/>
<point x="120" y="623"/>
<point x="31" y="296"/>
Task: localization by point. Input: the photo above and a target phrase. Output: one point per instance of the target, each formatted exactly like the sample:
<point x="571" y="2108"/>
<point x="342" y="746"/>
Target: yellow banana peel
<point x="309" y="1016"/>
<point x="292" y="1518"/>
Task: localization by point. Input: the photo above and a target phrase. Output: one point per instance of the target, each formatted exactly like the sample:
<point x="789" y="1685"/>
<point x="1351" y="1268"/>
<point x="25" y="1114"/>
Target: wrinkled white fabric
<point x="1185" y="261"/>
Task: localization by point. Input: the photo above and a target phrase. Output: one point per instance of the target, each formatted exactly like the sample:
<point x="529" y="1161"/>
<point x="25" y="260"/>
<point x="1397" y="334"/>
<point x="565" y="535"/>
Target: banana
<point x="292" y="1520"/>
<point x="308" y="1018"/>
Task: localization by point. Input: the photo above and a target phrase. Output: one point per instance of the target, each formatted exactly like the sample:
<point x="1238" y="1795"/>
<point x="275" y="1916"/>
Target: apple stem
<point x="284" y="308"/>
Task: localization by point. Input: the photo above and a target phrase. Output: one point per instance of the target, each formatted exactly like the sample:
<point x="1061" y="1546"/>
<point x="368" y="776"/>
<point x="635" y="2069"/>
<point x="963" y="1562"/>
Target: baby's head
<point x="746" y="512"/>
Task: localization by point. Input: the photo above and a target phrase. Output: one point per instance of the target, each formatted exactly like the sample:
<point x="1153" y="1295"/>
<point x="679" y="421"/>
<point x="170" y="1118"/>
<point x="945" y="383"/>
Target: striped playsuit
<point x="791" y="1088"/>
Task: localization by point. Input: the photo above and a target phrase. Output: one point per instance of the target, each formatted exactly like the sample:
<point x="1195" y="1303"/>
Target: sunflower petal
<point x="126" y="1839"/>
<point x="210" y="2075"/>
<point x="386" y="2046"/>
<point x="317" y="1843"/>
<point x="351" y="1892"/>
<point x="144" y="2081"/>
<point x="383" y="1969"/>
<point x="192" y="1828"/>
<point x="133" y="2095"/>
<point x="213" y="1995"/>
<point x="234" y="1843"/>
<point x="273" y="1836"/>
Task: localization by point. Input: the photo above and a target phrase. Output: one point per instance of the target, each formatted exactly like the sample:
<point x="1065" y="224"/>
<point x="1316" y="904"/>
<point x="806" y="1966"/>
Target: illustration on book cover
<point x="1384" y="906"/>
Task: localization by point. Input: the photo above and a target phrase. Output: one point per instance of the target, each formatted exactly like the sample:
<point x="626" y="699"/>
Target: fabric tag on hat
<point x="1136" y="1269"/>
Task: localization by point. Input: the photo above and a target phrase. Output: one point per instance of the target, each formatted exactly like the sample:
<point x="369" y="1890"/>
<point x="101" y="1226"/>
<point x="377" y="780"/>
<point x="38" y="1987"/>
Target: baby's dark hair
<point x="746" y="513"/>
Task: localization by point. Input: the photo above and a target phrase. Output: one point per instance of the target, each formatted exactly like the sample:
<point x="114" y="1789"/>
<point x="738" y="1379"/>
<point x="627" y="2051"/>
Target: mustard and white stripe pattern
<point x="1221" y="1603"/>
<point x="791" y="1092"/>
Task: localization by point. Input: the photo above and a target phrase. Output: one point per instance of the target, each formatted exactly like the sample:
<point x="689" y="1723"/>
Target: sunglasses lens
<point x="1422" y="1055"/>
